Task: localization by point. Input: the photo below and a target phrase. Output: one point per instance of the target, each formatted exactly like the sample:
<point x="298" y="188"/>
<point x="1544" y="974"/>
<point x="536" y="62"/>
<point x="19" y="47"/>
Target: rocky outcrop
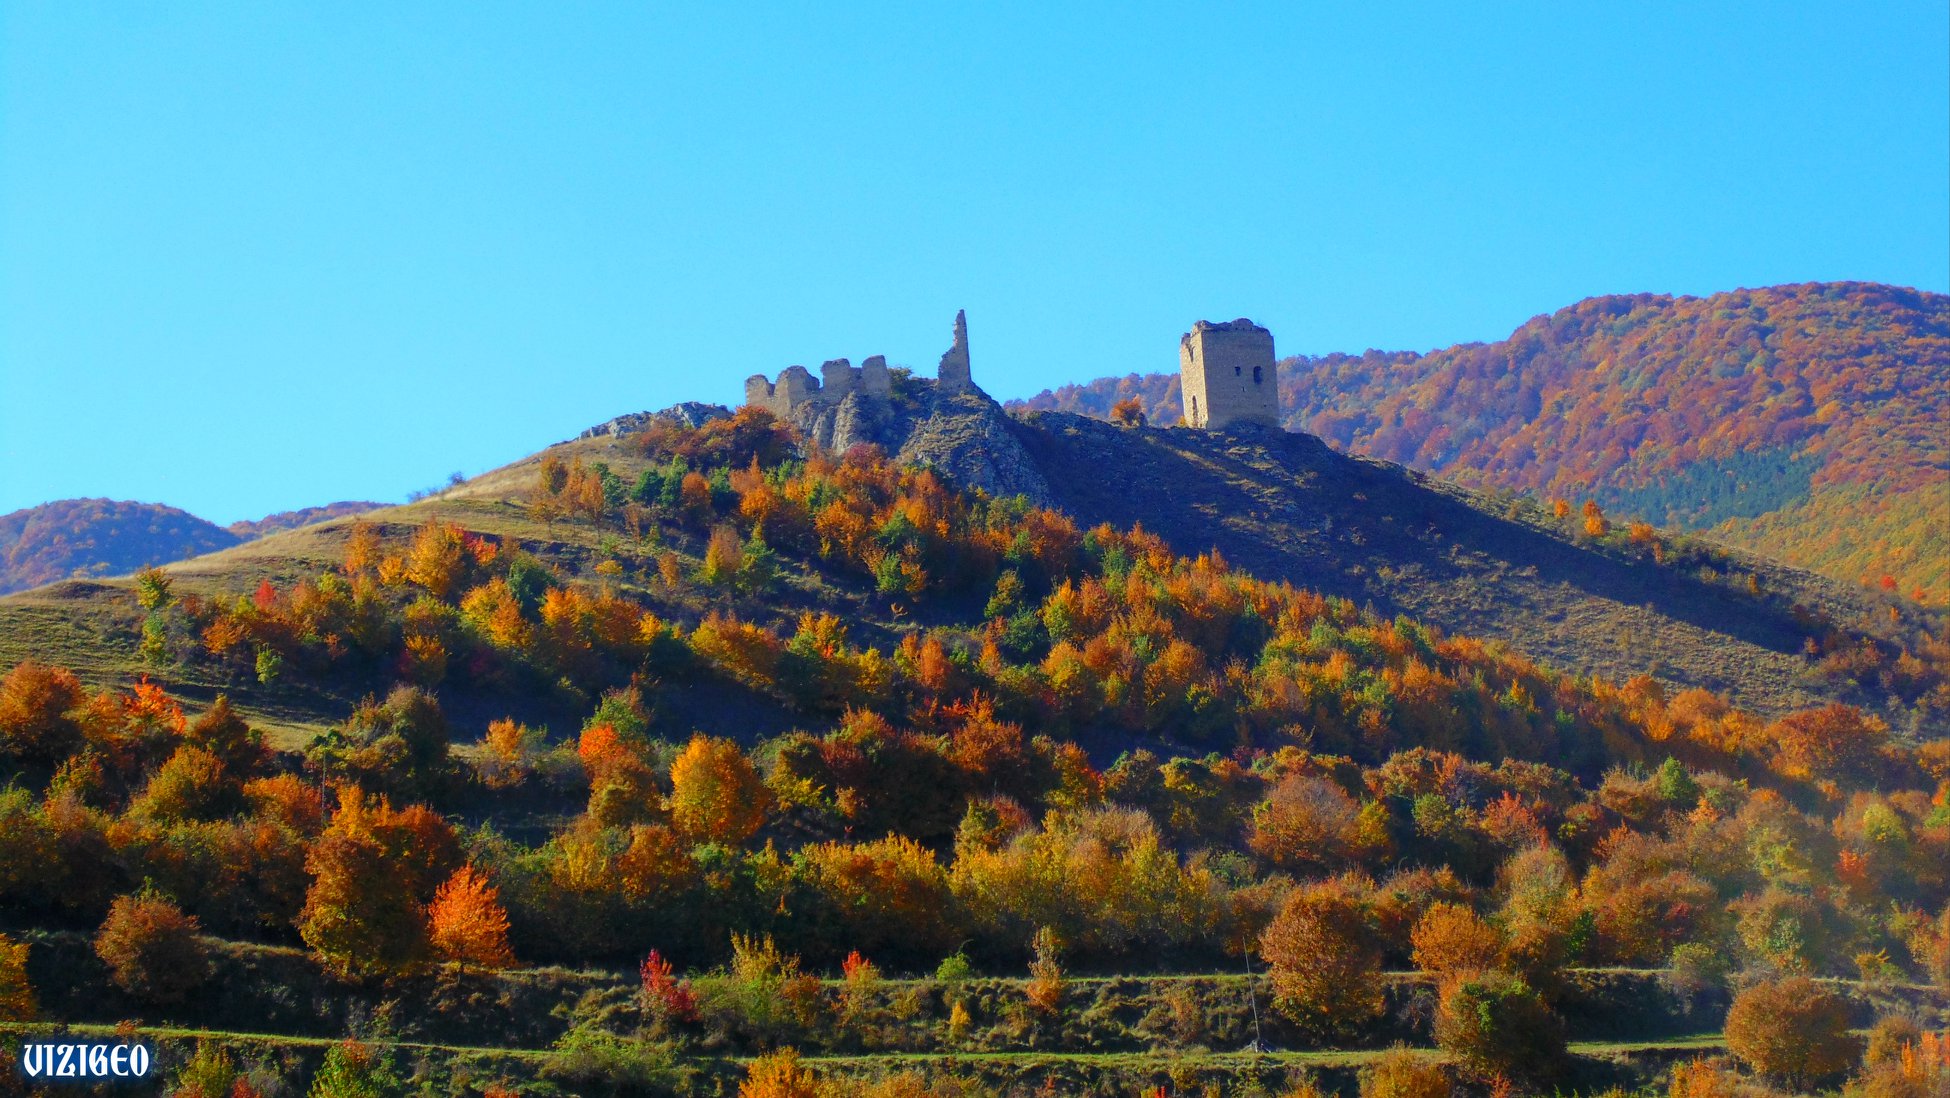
<point x="691" y="413"/>
<point x="961" y="433"/>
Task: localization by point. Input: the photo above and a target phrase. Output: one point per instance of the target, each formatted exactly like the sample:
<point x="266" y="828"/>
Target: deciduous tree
<point x="152" y="949"/>
<point x="1325" y="958"/>
<point x="716" y="794"/>
<point x="1792" y="1029"/>
<point x="466" y="922"/>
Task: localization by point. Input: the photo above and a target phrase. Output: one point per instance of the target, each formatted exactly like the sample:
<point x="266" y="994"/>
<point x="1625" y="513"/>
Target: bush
<point x="16" y="991"/>
<point x="1793" y="1030"/>
<point x="778" y="1076"/>
<point x="1452" y="938"/>
<point x="152" y="949"/>
<point x="1403" y="1073"/>
<point x="1325" y="959"/>
<point x="954" y="968"/>
<point x="353" y="1070"/>
<point x="593" y="1061"/>
<point x="1497" y="1027"/>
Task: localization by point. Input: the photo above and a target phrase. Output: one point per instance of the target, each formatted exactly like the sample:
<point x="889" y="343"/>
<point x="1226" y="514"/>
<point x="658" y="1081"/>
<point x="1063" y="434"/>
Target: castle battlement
<point x="838" y="378"/>
<point x="1226" y="375"/>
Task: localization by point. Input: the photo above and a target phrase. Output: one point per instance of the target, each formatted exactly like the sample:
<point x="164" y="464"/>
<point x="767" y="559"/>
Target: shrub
<point x="1919" y="1068"/>
<point x="1306" y="822"/>
<point x="466" y="922"/>
<point x="1793" y="1029"/>
<point x="1045" y="986"/>
<point x="778" y="1076"/>
<point x="398" y="746"/>
<point x="716" y="794"/>
<point x="1451" y="938"/>
<point x="353" y="1070"/>
<point x="1700" y="1079"/>
<point x="1403" y="1073"/>
<point x="1495" y="1026"/>
<point x="16" y="991"/>
<point x="210" y="1073"/>
<point x="191" y="785"/>
<point x="152" y="949"/>
<point x="36" y="712"/>
<point x="593" y="1060"/>
<point x="1325" y="959"/>
<point x="1888" y="1037"/>
<point x="954" y="968"/>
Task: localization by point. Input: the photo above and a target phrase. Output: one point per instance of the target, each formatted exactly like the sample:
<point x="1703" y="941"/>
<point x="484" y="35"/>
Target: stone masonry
<point x="838" y="379"/>
<point x="1226" y="375"/>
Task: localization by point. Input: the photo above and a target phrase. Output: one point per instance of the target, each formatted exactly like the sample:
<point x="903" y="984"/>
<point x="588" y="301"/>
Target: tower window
<point x="1255" y="375"/>
<point x="1235" y="371"/>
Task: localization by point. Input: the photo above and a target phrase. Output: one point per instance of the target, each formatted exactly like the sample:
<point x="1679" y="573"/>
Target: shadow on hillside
<point x="1285" y="506"/>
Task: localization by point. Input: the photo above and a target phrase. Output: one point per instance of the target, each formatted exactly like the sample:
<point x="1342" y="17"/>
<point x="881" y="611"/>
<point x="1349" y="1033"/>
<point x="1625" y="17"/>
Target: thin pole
<point x="1252" y="998"/>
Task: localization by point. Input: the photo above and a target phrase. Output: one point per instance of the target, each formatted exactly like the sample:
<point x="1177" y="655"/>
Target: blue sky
<point x="259" y="256"/>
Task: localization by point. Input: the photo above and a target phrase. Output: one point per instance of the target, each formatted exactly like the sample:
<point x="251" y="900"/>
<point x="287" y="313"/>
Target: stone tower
<point x="1226" y="375"/>
<point x="953" y="374"/>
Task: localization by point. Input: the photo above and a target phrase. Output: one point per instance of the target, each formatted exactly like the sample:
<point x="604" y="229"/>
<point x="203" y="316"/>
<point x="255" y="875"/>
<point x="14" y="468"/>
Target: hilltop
<point x="692" y="711"/>
<point x="1283" y="506"/>
<point x="104" y="537"/>
<point x="1801" y="421"/>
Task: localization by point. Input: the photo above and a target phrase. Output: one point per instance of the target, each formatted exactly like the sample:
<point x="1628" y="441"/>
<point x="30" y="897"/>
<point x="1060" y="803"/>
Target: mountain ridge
<point x="1792" y="420"/>
<point x="95" y="536"/>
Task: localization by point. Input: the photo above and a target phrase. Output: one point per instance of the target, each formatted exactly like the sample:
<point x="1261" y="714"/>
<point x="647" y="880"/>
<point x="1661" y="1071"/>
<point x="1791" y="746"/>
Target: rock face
<point x="962" y="434"/>
<point x="691" y="413"/>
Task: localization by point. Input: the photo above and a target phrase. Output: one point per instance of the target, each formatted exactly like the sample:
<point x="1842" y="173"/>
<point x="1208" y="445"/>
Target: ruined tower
<point x="1226" y="375"/>
<point x="953" y="374"/>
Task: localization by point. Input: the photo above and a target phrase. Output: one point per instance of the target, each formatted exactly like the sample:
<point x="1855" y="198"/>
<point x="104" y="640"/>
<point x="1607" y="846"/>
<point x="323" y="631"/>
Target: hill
<point x="1802" y="421"/>
<point x="1618" y="604"/>
<point x="303" y="516"/>
<point x="741" y="738"/>
<point x="1281" y="505"/>
<point x="97" y="537"/>
<point x="744" y="738"/>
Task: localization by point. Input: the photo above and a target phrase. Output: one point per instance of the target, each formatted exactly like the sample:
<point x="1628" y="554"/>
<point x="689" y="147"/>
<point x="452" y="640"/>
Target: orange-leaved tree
<point x="716" y="795"/>
<point x="16" y="991"/>
<point x="1325" y="958"/>
<point x="466" y="922"/>
<point x="778" y="1075"/>
<point x="152" y="949"/>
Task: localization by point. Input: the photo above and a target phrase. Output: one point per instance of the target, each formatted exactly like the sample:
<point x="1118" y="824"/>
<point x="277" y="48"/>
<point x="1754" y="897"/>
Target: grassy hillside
<point x="80" y="538"/>
<point x="1800" y="421"/>
<point x="757" y="747"/>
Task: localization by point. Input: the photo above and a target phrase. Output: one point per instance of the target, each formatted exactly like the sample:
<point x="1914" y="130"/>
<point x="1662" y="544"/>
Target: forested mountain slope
<point x="1802" y="421"/>
<point x="698" y="712"/>
<point x="1611" y="599"/>
<point x="100" y="536"/>
<point x="106" y="537"/>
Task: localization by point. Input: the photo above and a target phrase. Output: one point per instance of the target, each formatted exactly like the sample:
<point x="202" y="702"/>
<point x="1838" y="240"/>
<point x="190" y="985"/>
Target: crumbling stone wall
<point x="1226" y="375"/>
<point x="838" y="379"/>
<point x="953" y="373"/>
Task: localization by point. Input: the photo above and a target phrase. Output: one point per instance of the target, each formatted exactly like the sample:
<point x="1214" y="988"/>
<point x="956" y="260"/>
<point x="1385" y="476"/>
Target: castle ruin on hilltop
<point x="797" y="388"/>
<point x="1226" y="375"/>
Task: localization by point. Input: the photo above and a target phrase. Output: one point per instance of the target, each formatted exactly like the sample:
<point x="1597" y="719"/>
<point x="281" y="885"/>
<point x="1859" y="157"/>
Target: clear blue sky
<point x="264" y="255"/>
